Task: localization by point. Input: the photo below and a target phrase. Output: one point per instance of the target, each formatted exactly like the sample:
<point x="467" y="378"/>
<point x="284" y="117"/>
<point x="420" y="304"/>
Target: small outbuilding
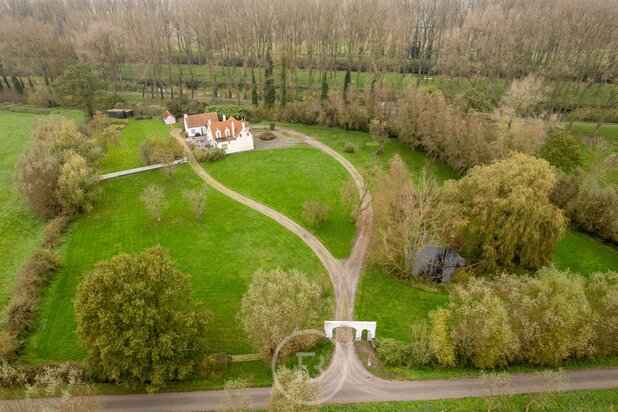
<point x="120" y="113"/>
<point x="437" y="264"/>
<point x="169" y="118"/>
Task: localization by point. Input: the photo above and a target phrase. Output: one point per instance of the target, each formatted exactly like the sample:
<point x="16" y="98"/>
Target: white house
<point x="205" y="130"/>
<point x="169" y="118"/>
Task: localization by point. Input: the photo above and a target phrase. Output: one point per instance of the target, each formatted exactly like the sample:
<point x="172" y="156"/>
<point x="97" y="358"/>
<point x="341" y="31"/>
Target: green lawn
<point x="19" y="231"/>
<point x="284" y="179"/>
<point x="365" y="158"/>
<point x="393" y="304"/>
<point x="598" y="401"/>
<point x="582" y="253"/>
<point x="125" y="154"/>
<point x="221" y="253"/>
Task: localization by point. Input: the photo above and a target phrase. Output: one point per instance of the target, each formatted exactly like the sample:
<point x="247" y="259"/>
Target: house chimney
<point x="224" y="117"/>
<point x="208" y="122"/>
<point x="233" y="131"/>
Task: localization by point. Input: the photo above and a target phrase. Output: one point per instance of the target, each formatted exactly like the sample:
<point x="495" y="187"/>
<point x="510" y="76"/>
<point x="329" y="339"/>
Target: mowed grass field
<point x="284" y="179"/>
<point x="125" y="154"/>
<point x="19" y="231"/>
<point x="220" y="253"/>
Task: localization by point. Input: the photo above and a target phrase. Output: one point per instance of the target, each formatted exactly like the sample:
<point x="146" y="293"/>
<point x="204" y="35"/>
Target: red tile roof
<point x="167" y="114"/>
<point x="221" y="126"/>
<point x="197" y="120"/>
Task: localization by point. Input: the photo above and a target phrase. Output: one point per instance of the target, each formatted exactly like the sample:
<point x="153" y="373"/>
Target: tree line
<point x="572" y="44"/>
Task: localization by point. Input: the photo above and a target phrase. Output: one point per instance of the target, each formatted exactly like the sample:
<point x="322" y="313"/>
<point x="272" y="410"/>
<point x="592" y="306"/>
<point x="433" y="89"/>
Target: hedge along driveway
<point x="221" y="252"/>
<point x="284" y="179"/>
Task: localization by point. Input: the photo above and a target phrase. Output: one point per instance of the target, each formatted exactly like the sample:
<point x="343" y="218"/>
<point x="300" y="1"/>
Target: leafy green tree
<point x="54" y="141"/>
<point x="293" y="392"/>
<point x="74" y="191"/>
<point x="19" y="88"/>
<point x="79" y="86"/>
<point x="324" y="92"/>
<point x="478" y="328"/>
<point x="602" y="295"/>
<point x="346" y="84"/>
<point x="277" y="303"/>
<point x="284" y="87"/>
<point x="269" y="82"/>
<point x="500" y="214"/>
<point x="549" y="314"/>
<point x="254" y="93"/>
<point x="137" y="320"/>
<point x="562" y="150"/>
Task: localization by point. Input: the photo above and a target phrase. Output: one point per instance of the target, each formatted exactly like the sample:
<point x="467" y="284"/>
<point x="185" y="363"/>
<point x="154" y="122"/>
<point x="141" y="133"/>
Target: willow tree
<point x="500" y="214"/>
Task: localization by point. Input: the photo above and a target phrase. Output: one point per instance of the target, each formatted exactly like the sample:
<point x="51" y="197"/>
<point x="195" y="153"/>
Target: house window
<point x="218" y="134"/>
<point x="227" y="132"/>
<point x="224" y="146"/>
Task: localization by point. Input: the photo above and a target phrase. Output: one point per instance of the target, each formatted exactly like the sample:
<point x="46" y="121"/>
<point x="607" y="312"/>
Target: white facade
<point x="359" y="327"/>
<point x="169" y="118"/>
<point x="205" y="130"/>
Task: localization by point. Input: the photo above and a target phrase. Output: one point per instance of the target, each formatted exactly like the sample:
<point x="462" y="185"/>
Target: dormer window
<point x="218" y="134"/>
<point x="227" y="132"/>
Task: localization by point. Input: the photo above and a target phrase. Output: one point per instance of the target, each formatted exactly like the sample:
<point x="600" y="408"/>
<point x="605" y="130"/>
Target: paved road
<point x="345" y="380"/>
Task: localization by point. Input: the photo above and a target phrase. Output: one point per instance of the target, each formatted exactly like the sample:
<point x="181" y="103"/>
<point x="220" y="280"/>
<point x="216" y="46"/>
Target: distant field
<point x="19" y="231"/>
<point x="221" y="253"/>
<point x="284" y="179"/>
<point x="449" y="86"/>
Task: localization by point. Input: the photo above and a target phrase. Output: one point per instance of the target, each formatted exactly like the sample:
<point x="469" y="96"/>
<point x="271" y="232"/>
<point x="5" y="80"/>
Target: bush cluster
<point x="562" y="150"/>
<point x="35" y="274"/>
<point x="239" y="112"/>
<point x="209" y="155"/>
<point x="18" y="375"/>
<point x="52" y="235"/>
<point x="266" y="136"/>
<point x="213" y="366"/>
<point x="591" y="207"/>
<point x="155" y="151"/>
<point x="593" y="114"/>
<point x="542" y="320"/>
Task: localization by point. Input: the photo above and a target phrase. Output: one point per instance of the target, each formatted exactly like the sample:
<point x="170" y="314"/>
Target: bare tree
<point x="154" y="199"/>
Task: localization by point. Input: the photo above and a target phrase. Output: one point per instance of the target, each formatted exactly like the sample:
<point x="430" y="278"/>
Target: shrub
<point x="602" y="293"/>
<point x="393" y="352"/>
<point x="35" y="274"/>
<point x="156" y="151"/>
<point x="420" y="348"/>
<point x="593" y="114"/>
<point x="267" y="136"/>
<point x="183" y="105"/>
<point x="473" y="99"/>
<point x="52" y="235"/>
<point x="213" y="366"/>
<point x="349" y="148"/>
<point x="562" y="150"/>
<point x="315" y="213"/>
<point x="595" y="210"/>
<point x="8" y="348"/>
<point x="549" y="314"/>
<point x="11" y="376"/>
<point x="209" y="155"/>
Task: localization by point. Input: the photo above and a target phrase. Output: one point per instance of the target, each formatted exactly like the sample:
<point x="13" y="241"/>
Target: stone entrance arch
<point x="359" y="327"/>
